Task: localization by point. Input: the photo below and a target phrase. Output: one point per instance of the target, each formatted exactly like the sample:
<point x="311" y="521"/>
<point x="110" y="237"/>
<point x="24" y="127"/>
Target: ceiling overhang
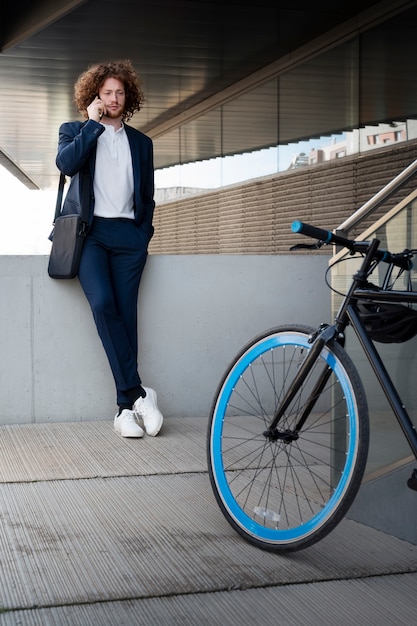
<point x="23" y="19"/>
<point x="193" y="56"/>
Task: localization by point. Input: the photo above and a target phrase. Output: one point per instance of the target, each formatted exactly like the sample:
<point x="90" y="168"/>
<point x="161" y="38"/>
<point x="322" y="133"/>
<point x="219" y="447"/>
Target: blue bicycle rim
<point x="247" y="523"/>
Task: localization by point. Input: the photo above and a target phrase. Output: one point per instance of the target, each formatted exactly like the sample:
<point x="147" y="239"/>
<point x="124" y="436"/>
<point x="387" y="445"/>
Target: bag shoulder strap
<point x="59" y="196"/>
<point x="85" y="187"/>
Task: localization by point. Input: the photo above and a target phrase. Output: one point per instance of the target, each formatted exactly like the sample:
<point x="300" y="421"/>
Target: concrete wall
<point x="386" y="503"/>
<point x="195" y="314"/>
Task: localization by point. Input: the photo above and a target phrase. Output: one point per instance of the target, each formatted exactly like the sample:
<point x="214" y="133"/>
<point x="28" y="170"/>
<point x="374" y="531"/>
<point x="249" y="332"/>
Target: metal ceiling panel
<point x="186" y="51"/>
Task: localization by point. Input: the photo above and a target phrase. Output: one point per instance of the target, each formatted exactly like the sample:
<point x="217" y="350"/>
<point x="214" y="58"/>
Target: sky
<point x="26" y="217"/>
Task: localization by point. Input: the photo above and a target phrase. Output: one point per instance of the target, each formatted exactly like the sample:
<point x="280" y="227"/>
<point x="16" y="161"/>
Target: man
<point x="117" y="163"/>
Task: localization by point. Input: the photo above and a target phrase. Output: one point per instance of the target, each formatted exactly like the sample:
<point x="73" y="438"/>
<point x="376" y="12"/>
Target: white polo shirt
<point x="113" y="179"/>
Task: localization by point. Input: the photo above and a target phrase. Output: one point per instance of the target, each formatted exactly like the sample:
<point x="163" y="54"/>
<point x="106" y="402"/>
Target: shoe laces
<point x="145" y="407"/>
<point x="129" y="416"/>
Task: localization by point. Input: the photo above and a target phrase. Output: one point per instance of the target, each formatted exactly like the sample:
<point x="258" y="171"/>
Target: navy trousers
<point x="112" y="262"/>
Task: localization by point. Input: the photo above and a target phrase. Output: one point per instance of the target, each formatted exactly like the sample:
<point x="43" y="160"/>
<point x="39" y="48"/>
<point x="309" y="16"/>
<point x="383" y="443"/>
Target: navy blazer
<point x="76" y="155"/>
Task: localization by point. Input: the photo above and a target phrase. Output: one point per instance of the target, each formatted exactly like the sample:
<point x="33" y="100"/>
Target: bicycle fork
<point x="272" y="433"/>
<point x="325" y="334"/>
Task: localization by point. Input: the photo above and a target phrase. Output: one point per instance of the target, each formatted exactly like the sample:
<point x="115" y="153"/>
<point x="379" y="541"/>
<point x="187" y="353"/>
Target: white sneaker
<point x="126" y="425"/>
<point x="149" y="412"/>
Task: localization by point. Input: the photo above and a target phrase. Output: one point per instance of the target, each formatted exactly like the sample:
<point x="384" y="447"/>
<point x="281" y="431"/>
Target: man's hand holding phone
<point x="96" y="109"/>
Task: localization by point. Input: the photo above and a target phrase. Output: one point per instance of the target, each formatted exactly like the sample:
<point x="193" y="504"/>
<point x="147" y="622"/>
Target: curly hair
<point x="89" y="82"/>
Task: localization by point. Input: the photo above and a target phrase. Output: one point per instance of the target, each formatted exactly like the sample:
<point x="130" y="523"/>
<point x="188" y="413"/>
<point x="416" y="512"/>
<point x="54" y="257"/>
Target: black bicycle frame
<point x="318" y="340"/>
<point x="348" y="313"/>
<point x="325" y="335"/>
<point x="375" y="360"/>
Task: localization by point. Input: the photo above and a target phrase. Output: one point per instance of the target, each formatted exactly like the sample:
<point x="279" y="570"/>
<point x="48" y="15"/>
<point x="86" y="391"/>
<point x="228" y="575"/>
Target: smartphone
<point x="102" y="113"/>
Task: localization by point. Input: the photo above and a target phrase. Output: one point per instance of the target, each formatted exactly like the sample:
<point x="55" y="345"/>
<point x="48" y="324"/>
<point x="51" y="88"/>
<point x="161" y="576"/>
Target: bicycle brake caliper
<point x="316" y="333"/>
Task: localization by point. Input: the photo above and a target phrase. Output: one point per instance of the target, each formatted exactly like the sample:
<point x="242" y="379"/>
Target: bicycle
<point x="288" y="433"/>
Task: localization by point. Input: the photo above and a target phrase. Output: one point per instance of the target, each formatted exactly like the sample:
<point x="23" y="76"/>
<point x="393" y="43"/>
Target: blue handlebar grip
<point x="312" y="231"/>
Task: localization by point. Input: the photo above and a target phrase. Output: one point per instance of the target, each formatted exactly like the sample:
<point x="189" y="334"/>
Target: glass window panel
<point x="306" y="116"/>
<point x="250" y="121"/>
<point x="201" y="138"/>
<point x="167" y="149"/>
<point x="388" y="74"/>
<point x="320" y="97"/>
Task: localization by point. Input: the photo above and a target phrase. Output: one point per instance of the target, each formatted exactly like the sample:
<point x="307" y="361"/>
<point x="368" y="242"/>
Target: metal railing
<point x="377" y="200"/>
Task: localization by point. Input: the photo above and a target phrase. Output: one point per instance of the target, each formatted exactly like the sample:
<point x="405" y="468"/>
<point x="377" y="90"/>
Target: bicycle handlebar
<point x="400" y="259"/>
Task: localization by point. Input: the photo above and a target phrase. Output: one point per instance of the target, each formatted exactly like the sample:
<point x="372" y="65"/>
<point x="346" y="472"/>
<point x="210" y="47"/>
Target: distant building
<point x="357" y="141"/>
<point x="300" y="160"/>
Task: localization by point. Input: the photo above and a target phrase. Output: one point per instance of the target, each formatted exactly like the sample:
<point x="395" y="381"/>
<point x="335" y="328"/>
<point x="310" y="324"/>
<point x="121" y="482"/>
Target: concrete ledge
<point x="195" y="313"/>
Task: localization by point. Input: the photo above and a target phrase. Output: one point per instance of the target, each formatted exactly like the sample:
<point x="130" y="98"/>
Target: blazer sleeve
<point x="76" y="141"/>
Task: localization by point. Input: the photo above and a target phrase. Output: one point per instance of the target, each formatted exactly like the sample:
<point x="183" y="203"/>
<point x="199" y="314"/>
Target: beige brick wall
<point x="256" y="217"/>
